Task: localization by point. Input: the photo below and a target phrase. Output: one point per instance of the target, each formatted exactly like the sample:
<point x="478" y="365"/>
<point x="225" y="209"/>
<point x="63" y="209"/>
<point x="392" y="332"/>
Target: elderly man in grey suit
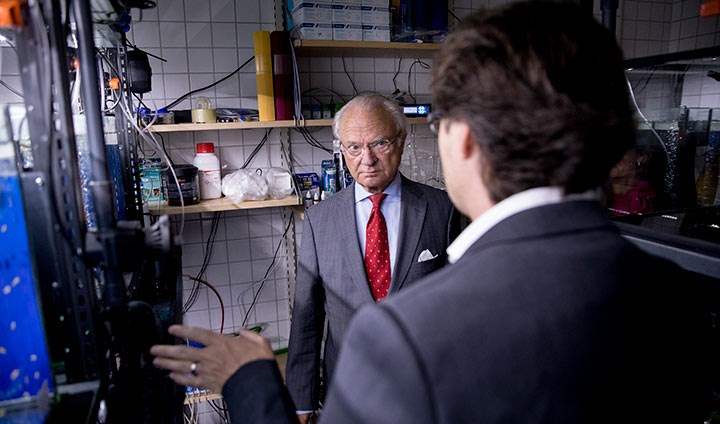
<point x="546" y="314"/>
<point x="336" y="274"/>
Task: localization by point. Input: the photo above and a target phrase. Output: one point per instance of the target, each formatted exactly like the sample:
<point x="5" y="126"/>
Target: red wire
<point x="222" y="305"/>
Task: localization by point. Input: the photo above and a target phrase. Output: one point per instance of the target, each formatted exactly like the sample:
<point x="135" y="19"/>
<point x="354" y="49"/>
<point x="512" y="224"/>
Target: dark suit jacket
<point x="331" y="280"/>
<point x="550" y="317"/>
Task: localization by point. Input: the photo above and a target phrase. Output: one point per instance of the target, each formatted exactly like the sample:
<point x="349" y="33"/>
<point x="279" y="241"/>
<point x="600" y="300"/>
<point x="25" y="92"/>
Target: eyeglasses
<point x="377" y="147"/>
<point x="433" y="121"/>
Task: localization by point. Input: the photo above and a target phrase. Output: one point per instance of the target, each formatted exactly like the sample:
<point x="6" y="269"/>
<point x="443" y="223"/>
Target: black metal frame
<point x="99" y="330"/>
<point x="663" y="59"/>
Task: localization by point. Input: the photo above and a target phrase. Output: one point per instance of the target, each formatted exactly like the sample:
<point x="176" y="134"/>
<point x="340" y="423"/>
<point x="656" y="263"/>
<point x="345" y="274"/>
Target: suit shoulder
<point x="328" y="207"/>
<point x="433" y="194"/>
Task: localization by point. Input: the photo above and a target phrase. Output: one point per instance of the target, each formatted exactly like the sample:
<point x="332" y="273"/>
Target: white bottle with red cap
<point x="208" y="166"/>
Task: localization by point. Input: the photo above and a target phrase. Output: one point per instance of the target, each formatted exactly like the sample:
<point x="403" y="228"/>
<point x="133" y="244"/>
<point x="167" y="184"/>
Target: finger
<point x="185" y="379"/>
<point x="173" y="364"/>
<point x="256" y="341"/>
<point x="187" y="353"/>
<point x="193" y="333"/>
<point x="252" y="336"/>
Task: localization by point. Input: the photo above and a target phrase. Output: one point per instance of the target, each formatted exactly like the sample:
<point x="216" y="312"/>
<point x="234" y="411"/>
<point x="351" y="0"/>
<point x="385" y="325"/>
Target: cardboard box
<point x="312" y="12"/>
<point x="347" y="32"/>
<point x="314" y="31"/>
<point x="376" y="33"/>
<point x="375" y="15"/>
<point x="346" y="13"/>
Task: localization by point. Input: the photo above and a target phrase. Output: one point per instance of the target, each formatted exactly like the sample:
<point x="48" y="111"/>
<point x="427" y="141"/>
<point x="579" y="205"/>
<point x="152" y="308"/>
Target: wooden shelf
<point x="326" y="48"/>
<point x="218" y="205"/>
<point x="201" y="396"/>
<point x="219" y="126"/>
<point x="222" y="126"/>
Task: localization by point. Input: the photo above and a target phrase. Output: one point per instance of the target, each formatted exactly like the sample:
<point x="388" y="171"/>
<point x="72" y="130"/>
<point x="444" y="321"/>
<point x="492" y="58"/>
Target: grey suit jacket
<point x="550" y="317"/>
<point x="331" y="279"/>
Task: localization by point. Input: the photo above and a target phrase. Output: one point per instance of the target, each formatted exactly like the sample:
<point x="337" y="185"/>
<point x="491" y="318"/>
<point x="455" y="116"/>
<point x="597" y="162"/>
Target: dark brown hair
<point x="542" y="86"/>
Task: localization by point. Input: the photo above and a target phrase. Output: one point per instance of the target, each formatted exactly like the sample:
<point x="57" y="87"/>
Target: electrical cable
<point x="219" y="298"/>
<point x="647" y="122"/>
<point x="348" y="75"/>
<point x="455" y="16"/>
<point x="181" y="98"/>
<point x="647" y="80"/>
<point x="222" y="412"/>
<point x="162" y="144"/>
<point x="9" y="43"/>
<point x="267" y="273"/>
<point x="209" y="244"/>
<point x="423" y="65"/>
<point x="311" y="140"/>
<point x="256" y="150"/>
<point x="322" y="90"/>
<point x="14" y="91"/>
<point x="149" y="138"/>
<point x="3" y="83"/>
<point x="114" y="105"/>
<point x="396" y="75"/>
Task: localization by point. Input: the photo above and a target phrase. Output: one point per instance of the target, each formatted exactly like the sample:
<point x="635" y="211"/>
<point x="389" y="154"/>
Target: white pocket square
<point x="425" y="255"/>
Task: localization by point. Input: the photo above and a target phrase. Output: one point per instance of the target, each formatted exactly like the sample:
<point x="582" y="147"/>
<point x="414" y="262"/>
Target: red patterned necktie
<point x="377" y="250"/>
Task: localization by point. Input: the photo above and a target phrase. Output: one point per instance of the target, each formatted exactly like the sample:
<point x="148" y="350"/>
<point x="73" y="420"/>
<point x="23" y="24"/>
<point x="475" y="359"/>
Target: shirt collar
<point x="393" y="190"/>
<point x="514" y="204"/>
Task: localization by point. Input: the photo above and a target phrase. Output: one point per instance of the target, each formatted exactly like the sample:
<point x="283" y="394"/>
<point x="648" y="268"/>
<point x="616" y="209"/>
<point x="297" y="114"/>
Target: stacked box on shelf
<point x="375" y="20"/>
<point x="347" y="20"/>
<point x="313" y="20"/>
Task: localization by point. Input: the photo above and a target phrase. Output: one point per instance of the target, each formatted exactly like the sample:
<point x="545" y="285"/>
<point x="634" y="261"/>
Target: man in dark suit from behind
<point x="546" y="313"/>
<point x="332" y="281"/>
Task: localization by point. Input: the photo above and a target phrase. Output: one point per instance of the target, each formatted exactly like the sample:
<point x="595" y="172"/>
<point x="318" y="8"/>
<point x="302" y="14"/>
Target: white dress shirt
<point x="516" y="203"/>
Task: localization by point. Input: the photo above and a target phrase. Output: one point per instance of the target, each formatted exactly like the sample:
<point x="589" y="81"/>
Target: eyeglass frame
<point x="433" y="120"/>
<point x="371" y="146"/>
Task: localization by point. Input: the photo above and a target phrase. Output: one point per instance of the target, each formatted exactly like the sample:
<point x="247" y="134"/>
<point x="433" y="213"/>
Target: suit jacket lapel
<point x="412" y="219"/>
<point x="346" y="231"/>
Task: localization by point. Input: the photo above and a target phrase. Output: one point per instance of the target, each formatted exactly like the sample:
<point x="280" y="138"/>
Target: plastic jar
<point x="187" y="180"/>
<point x="208" y="166"/>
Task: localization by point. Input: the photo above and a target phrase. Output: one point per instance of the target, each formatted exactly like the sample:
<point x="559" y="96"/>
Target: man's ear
<point x="464" y="137"/>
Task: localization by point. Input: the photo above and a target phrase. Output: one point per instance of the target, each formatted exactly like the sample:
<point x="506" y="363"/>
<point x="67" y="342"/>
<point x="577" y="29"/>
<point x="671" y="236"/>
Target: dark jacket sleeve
<point x="256" y="394"/>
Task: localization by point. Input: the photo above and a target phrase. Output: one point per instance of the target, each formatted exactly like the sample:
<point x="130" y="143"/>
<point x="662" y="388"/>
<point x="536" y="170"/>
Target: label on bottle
<point x="210" y="184"/>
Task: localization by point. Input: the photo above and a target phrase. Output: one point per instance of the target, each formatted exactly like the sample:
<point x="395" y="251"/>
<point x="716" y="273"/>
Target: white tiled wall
<point x="202" y="42"/>
<point x="668" y="26"/>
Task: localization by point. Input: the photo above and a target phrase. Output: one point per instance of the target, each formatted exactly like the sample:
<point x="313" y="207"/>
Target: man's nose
<point x="367" y="157"/>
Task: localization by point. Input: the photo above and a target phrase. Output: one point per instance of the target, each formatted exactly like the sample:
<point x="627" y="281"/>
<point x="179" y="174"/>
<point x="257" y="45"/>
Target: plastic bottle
<point x="208" y="170"/>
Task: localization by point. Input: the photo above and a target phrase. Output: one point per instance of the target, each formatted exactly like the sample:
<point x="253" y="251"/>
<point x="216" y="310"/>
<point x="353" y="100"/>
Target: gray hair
<point x="370" y="100"/>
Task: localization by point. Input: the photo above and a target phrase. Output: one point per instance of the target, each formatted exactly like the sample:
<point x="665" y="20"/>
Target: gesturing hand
<point x="209" y="367"/>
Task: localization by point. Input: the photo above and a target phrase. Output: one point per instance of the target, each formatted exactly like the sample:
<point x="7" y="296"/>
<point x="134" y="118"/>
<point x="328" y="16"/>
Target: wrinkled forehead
<point x="363" y="125"/>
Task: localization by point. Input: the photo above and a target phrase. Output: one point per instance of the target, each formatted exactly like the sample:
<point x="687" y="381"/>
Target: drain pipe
<point x="609" y="12"/>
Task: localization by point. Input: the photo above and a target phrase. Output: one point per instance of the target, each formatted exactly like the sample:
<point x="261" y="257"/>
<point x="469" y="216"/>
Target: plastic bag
<point x="245" y="184"/>
<point x="279" y="183"/>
